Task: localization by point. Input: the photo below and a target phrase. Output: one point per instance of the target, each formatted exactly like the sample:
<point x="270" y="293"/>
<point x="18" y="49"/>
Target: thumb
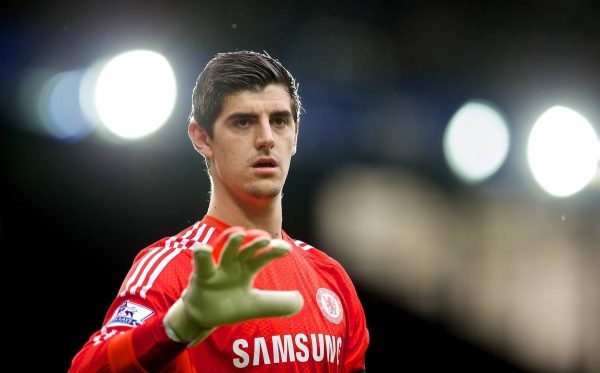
<point x="270" y="303"/>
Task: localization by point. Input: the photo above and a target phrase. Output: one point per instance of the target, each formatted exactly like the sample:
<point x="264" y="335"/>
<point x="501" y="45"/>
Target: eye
<point x="242" y="123"/>
<point x="279" y="121"/>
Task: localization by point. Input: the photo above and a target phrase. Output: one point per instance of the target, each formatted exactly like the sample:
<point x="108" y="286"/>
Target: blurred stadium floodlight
<point x="563" y="151"/>
<point x="476" y="141"/>
<point x="504" y="271"/>
<point x="135" y="93"/>
<point x="86" y="92"/>
<point x="59" y="109"/>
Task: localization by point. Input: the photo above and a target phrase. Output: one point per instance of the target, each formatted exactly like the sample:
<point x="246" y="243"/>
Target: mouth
<point x="265" y="163"/>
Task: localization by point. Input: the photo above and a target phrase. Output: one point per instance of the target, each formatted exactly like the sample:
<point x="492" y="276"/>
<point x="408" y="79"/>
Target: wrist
<point x="153" y="348"/>
<point x="180" y="327"/>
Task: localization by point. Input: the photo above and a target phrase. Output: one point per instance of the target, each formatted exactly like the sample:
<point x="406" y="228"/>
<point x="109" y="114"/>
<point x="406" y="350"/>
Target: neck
<point x="262" y="214"/>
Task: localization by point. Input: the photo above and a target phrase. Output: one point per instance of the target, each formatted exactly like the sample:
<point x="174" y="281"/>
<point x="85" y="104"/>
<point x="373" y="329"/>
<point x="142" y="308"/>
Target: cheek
<point x="228" y="159"/>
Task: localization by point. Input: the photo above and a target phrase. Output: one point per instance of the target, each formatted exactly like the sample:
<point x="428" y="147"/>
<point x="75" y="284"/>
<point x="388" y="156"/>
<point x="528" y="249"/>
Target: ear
<point x="200" y="139"/>
<point x="295" y="139"/>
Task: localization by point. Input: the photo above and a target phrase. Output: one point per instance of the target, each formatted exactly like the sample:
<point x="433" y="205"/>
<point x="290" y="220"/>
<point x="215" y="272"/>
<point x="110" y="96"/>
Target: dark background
<point x="73" y="215"/>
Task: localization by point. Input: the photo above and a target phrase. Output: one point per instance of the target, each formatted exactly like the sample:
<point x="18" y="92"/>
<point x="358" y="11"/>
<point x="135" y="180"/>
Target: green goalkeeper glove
<point x="224" y="295"/>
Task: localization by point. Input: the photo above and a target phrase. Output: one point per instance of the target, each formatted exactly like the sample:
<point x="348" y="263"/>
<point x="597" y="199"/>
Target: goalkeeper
<point x="234" y="291"/>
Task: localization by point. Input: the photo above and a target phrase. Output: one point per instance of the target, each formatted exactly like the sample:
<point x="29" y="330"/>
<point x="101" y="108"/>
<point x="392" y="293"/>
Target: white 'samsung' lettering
<point x="242" y="360"/>
<point x="287" y="348"/>
<point x="260" y="346"/>
<point x="283" y="350"/>
<point x="302" y="355"/>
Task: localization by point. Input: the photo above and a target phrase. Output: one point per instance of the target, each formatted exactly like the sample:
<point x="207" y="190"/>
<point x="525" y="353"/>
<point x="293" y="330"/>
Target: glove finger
<point x="270" y="303"/>
<point x="230" y="252"/>
<point x="255" y="240"/>
<point x="221" y="241"/>
<point x="277" y="249"/>
<point x="204" y="266"/>
<point x="248" y="251"/>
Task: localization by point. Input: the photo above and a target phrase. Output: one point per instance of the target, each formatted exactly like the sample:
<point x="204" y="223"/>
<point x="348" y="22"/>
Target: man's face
<point x="253" y="141"/>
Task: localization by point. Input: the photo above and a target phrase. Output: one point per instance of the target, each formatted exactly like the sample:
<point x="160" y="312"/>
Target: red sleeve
<point x="133" y="338"/>
<point x="141" y="349"/>
<point x="359" y="334"/>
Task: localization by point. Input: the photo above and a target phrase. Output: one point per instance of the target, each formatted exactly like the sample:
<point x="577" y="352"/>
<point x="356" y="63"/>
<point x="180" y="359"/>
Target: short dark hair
<point x="231" y="72"/>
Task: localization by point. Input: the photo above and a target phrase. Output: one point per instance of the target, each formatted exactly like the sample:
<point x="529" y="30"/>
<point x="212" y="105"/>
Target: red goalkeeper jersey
<point x="329" y="334"/>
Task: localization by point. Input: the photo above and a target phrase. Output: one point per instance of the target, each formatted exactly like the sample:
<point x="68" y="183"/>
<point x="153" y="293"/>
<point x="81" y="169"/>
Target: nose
<point x="264" y="135"/>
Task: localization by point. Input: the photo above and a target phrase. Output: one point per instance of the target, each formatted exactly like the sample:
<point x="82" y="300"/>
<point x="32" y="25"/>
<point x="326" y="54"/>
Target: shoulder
<point x="309" y="250"/>
<point x="181" y="242"/>
<point x="326" y="264"/>
<point x="166" y="264"/>
<point x="318" y="256"/>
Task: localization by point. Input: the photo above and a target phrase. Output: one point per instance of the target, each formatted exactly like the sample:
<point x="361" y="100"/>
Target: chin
<point x="265" y="192"/>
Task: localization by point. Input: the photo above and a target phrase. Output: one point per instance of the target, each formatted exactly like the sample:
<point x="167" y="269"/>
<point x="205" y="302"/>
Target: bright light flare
<point x="476" y="142"/>
<point x="135" y="93"/>
<point x="563" y="151"/>
<point x="59" y="108"/>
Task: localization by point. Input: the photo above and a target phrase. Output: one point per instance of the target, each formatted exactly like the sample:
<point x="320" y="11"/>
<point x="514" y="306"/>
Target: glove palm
<point x="224" y="295"/>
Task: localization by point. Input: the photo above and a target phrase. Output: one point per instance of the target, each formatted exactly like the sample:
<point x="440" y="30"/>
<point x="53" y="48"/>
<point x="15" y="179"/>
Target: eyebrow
<point x="279" y="113"/>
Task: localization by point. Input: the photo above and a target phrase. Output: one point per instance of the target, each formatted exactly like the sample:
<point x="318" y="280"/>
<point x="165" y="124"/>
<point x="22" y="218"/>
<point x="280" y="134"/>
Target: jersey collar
<point x="221" y="226"/>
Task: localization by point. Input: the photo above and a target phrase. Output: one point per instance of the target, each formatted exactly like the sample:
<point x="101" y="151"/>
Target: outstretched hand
<point x="223" y="294"/>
